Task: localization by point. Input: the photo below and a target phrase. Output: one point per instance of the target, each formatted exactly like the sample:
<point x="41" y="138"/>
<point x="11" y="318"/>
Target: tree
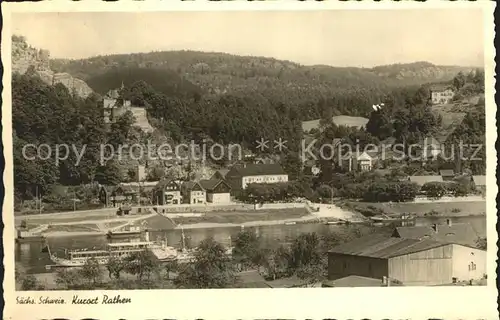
<point x="248" y="249"/>
<point x="379" y="124"/>
<point x="69" y="279"/>
<point x="292" y="165"/>
<point x="305" y="251"/>
<point x="140" y="264"/>
<point x="459" y="80"/>
<point x="211" y="268"/>
<point x="115" y="266"/>
<point x="109" y="174"/>
<point x="276" y="263"/>
<point x="435" y="190"/>
<point x="91" y="271"/>
<point x="156" y="173"/>
<point x="29" y="283"/>
<point x="311" y="274"/>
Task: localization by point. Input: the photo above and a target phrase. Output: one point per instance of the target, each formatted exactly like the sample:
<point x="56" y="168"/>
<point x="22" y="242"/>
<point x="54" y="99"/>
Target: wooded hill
<point x="350" y="91"/>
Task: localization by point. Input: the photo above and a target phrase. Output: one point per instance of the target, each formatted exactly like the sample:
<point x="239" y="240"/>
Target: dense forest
<point x="51" y="115"/>
<point x="348" y="90"/>
<point x="221" y="98"/>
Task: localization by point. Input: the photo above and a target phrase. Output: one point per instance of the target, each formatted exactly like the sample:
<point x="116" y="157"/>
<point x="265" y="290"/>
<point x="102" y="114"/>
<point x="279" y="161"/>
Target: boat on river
<point x="78" y="258"/>
<point x="393" y="218"/>
<point x="131" y="231"/>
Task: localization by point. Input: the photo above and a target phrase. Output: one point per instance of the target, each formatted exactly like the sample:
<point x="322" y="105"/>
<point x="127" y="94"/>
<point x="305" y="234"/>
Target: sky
<point x="361" y="38"/>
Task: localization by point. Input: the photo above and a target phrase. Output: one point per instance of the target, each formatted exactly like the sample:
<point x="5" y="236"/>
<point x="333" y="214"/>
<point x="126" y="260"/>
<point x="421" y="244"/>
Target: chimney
<point x="448" y="222"/>
<point x="435" y="227"/>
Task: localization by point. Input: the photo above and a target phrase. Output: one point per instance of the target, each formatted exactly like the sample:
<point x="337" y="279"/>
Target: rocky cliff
<point x="26" y="58"/>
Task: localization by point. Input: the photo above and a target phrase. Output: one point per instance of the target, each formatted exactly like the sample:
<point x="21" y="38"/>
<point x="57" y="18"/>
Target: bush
<point x="435" y="189"/>
<point x="391" y="191"/>
<point x="432" y="213"/>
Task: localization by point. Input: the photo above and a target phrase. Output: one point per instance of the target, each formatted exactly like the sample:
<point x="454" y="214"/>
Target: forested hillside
<point x="349" y="91"/>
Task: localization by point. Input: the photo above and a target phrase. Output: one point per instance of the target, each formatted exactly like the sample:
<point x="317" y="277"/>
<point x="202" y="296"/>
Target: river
<point x="33" y="260"/>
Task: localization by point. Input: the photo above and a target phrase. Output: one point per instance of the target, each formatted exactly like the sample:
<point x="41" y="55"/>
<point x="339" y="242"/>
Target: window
<point x="472" y="266"/>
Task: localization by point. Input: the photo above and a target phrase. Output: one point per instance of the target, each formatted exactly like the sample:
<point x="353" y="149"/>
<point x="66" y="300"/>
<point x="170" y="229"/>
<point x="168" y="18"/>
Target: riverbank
<point x="424" y="209"/>
<point x="99" y="223"/>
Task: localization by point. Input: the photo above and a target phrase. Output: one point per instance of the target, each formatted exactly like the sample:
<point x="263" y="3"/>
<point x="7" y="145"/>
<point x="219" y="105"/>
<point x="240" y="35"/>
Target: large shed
<point x="410" y="262"/>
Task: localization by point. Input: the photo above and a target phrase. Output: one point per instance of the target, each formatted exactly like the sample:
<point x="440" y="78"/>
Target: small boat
<point x="124" y="233"/>
<point x="392" y="218"/>
<point x="290" y="223"/>
<point x="27" y="236"/>
<point x="334" y="222"/>
<point x="31" y="238"/>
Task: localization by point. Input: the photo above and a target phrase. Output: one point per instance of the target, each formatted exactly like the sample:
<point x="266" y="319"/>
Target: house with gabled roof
<point x="239" y="176"/>
<point x="193" y="192"/>
<point x="116" y="196"/>
<point x="167" y="191"/>
<point x="220" y="174"/>
<point x="408" y="262"/>
<point x="358" y="161"/>
<point x="218" y="191"/>
<point x="441" y="93"/>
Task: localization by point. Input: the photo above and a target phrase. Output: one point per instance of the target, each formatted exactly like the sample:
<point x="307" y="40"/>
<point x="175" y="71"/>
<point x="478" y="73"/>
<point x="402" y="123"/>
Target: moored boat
<point x="78" y="258"/>
<point x="393" y="218"/>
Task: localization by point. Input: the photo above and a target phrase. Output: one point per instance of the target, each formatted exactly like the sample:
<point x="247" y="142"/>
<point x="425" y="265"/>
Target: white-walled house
<point x="242" y="175"/>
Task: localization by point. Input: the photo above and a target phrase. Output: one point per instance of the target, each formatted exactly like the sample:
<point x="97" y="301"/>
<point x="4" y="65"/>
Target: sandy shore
<point x="54" y="234"/>
<point x="208" y="225"/>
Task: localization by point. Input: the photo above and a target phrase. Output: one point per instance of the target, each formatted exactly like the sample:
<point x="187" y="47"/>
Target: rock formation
<point x="25" y="57"/>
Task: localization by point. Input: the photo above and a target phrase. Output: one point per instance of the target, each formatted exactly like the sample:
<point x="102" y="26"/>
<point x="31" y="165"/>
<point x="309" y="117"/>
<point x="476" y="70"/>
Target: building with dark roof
<point x="220" y="174"/>
<point x="408" y="262"/>
<point x="167" y="191"/>
<point x="218" y="191"/>
<point x="460" y="233"/>
<point x="421" y="180"/>
<point x="447" y="174"/>
<point x="358" y="281"/>
<point x="241" y="175"/>
<point x="193" y="192"/>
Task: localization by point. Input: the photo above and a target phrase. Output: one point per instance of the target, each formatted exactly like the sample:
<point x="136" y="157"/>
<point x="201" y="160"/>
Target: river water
<point x="33" y="260"/>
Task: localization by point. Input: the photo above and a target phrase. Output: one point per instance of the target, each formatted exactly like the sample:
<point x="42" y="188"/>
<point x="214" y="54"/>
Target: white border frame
<point x="395" y="302"/>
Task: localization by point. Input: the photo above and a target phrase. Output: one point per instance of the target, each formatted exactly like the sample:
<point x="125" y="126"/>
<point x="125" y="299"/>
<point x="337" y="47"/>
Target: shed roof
<point x="440" y="87"/>
<point x="447" y="173"/>
<point x="189" y="185"/>
<point x="356" y="281"/>
<point x="256" y="170"/>
<point x="421" y="180"/>
<point x="211" y="184"/>
<point x="459" y="233"/>
<point x="164" y="182"/>
<point x="479" y="180"/>
<point x="383" y="247"/>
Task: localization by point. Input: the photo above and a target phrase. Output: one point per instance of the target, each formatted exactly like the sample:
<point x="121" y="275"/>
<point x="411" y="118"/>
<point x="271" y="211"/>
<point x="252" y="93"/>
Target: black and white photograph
<point x="250" y="150"/>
